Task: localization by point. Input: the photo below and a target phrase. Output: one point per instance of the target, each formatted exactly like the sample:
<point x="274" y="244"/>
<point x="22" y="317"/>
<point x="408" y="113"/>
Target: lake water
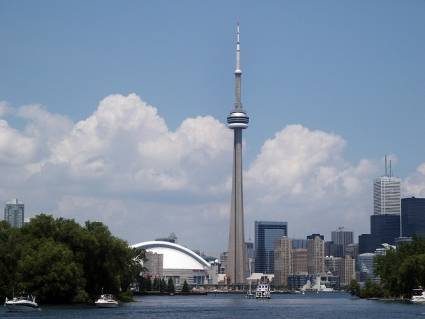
<point x="326" y="306"/>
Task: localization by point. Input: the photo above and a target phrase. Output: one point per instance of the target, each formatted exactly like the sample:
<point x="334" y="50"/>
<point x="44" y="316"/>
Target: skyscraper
<point x="342" y="238"/>
<point x="282" y="261"/>
<point x="413" y="217"/>
<point x="299" y="261"/>
<point x="14" y="213"/>
<point x="266" y="236"/>
<point x="315" y="254"/>
<point x="237" y="121"/>
<point x="386" y="193"/>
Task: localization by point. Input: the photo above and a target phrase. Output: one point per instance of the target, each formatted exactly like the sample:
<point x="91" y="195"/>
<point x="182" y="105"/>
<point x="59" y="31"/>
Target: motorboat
<point x="418" y="296"/>
<point x="263" y="291"/>
<point x="22" y="303"/>
<point x="106" y="301"/>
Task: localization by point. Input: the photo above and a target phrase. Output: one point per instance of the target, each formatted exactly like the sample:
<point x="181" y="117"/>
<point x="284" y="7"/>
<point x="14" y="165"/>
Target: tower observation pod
<point x="237" y="120"/>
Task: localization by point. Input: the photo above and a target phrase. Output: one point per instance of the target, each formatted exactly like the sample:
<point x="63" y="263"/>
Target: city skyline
<point x="330" y="98"/>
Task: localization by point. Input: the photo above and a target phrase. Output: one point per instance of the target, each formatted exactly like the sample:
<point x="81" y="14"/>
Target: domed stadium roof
<point x="175" y="256"/>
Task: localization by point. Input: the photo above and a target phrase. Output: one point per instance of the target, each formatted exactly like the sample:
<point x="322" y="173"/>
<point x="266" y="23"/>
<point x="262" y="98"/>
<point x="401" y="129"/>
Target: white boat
<point x="106" y="301"/>
<point x="23" y="303"/>
<point x="262" y="291"/>
<point x="418" y="296"/>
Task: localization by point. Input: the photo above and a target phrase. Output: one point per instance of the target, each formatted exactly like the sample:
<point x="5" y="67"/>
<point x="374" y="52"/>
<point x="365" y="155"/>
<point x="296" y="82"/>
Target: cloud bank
<point x="124" y="166"/>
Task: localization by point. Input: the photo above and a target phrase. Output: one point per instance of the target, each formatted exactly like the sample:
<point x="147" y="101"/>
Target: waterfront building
<point x="330" y="264"/>
<point x="299" y="243"/>
<point x="412" y="217"/>
<point x="342" y="238"/>
<point x="266" y="235"/>
<point x="315" y="254"/>
<point x="282" y="261"/>
<point x="178" y="263"/>
<point x="237" y="121"/>
<point x="223" y="262"/>
<point x="14" y="213"/>
<point x="299" y="261"/>
<point x="297" y="281"/>
<point x="330" y="281"/>
<point x="366" y="266"/>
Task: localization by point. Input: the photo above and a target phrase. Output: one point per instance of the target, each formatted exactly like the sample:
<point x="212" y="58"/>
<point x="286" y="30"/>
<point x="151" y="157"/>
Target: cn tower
<point x="237" y="121"/>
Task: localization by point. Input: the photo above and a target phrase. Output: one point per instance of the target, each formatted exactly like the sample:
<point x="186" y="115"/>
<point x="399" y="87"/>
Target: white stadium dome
<point x="175" y="256"/>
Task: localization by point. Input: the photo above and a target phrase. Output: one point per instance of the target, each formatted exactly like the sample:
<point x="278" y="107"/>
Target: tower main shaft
<point x="237" y="121"/>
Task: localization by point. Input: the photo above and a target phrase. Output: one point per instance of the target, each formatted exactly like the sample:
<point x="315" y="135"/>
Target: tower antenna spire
<point x="386" y="165"/>
<point x="238" y="71"/>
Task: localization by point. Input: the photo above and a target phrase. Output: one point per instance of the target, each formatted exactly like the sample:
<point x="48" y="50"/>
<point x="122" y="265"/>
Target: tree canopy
<point x="60" y="261"/>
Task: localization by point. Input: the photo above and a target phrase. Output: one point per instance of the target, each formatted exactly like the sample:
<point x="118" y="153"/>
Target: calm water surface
<point x="326" y="306"/>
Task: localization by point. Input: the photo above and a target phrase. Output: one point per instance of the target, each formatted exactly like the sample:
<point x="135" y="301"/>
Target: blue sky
<point x="350" y="73"/>
<point x="355" y="68"/>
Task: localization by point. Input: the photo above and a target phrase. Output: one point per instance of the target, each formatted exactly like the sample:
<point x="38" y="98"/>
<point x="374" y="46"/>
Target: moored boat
<point x="106" y="301"/>
<point x="418" y="296"/>
<point x="263" y="289"/>
<point x="22" y="303"/>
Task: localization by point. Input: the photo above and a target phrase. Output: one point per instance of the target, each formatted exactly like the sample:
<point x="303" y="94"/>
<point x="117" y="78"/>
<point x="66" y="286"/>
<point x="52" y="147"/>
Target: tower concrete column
<point x="237" y="121"/>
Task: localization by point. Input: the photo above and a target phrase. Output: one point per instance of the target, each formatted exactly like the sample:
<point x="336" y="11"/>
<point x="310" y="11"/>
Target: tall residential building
<point x="349" y="271"/>
<point x="342" y="238"/>
<point x="237" y="121"/>
<point x="282" y="261"/>
<point x="299" y="261"/>
<point x="14" y="212"/>
<point x="386" y="193"/>
<point x="412" y="217"/>
<point x="266" y="236"/>
<point x="315" y="254"/>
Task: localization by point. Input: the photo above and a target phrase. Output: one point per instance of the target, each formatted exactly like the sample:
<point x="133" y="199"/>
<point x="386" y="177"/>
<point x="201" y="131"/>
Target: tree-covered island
<point x="60" y="261"/>
<point x="400" y="271"/>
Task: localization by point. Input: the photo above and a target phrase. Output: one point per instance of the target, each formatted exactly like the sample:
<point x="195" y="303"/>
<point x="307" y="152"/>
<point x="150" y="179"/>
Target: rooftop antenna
<point x="386" y="165"/>
<point x="391" y="172"/>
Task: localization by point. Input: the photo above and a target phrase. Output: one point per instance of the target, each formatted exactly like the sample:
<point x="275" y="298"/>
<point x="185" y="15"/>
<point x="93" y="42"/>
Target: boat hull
<point x="106" y="305"/>
<point x="21" y="308"/>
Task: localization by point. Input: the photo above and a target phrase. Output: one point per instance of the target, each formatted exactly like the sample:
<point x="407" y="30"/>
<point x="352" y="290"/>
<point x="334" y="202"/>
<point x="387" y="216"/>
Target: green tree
<point x="354" y="288"/>
<point x="47" y="269"/>
<point x="185" y="288"/>
<point x="156" y="285"/>
<point x="162" y="285"/>
<point x="10" y="250"/>
<point x="170" y="286"/>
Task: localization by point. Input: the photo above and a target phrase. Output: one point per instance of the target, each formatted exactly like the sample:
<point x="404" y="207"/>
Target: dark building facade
<point x="266" y="236"/>
<point x="413" y="217"/>
<point x="332" y="249"/>
<point x="384" y="228"/>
